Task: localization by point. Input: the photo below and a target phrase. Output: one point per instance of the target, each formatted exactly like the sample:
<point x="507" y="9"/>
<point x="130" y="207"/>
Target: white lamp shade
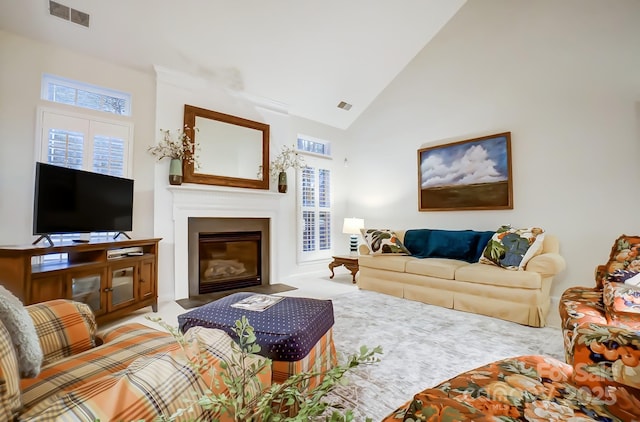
<point x="352" y="225"/>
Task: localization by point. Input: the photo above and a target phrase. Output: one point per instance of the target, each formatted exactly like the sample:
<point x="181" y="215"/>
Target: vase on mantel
<point x="282" y="182"/>
<point x="175" y="171"/>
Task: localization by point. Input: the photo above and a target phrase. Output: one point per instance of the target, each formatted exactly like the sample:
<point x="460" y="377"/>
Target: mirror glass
<point x="232" y="151"/>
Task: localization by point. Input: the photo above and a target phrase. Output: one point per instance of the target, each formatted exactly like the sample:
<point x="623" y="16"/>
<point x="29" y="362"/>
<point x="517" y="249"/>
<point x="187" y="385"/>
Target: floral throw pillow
<point x="383" y="241"/>
<point x="620" y="300"/>
<point x="624" y="256"/>
<point x="625" y="276"/>
<point x="512" y="248"/>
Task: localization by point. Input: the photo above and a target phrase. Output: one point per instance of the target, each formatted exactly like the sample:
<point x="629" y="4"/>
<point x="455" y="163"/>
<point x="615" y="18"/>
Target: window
<point x="315" y="204"/>
<point x="83" y="142"/>
<point x="313" y="145"/>
<point x="80" y="94"/>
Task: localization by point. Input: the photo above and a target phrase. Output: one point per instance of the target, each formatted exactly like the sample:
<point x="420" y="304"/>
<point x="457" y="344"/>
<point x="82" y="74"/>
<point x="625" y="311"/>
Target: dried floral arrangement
<point x="286" y="159"/>
<point x="179" y="146"/>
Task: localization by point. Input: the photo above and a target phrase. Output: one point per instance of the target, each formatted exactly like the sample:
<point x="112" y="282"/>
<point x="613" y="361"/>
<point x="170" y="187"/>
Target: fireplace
<point x="229" y="260"/>
<point x="227" y="253"/>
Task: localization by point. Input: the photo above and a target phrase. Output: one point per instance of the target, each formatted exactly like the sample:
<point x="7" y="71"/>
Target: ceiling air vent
<point x="344" y="106"/>
<point x="68" y="14"/>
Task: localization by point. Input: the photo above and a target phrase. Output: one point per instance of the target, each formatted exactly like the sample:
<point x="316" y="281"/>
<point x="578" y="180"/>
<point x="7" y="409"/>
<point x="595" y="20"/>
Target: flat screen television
<point x="77" y="201"/>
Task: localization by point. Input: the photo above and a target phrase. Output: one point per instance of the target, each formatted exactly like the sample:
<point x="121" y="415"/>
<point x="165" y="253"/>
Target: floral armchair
<point x="601" y="324"/>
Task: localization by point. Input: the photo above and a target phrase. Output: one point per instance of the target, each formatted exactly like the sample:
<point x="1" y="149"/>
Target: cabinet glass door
<point x="122" y="285"/>
<point x="86" y="288"/>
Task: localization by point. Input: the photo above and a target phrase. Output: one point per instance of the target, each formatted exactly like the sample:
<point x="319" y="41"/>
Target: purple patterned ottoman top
<point x="286" y="331"/>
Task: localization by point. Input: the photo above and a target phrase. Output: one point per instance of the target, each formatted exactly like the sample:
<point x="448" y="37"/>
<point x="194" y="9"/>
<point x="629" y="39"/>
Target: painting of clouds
<point x="474" y="174"/>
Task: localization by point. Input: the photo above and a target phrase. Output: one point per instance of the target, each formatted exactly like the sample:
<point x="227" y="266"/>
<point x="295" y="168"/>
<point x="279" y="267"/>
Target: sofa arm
<point x="64" y="327"/>
<point x="547" y="264"/>
<point x="364" y="249"/>
<point x="605" y="355"/>
<point x="600" y="275"/>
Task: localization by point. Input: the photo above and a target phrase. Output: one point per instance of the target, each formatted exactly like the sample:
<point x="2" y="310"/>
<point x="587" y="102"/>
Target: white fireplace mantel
<point x="193" y="200"/>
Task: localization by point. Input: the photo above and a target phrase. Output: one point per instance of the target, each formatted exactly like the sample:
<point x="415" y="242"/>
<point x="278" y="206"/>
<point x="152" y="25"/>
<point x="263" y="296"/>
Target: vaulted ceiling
<point x="305" y="55"/>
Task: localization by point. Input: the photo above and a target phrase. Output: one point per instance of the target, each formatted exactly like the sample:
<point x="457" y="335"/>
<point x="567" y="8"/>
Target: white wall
<point x="563" y="77"/>
<point x="22" y="63"/>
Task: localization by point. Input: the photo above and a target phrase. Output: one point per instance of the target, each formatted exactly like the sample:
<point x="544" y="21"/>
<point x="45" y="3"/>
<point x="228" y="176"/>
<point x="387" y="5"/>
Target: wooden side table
<point x="349" y="261"/>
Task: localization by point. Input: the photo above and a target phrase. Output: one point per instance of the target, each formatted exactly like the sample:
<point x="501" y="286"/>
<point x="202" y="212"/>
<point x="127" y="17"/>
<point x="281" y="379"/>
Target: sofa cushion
<point x="65" y="328"/>
<point x="435" y="267"/>
<point x="9" y="377"/>
<point x="492" y="275"/>
<point x="606" y="358"/>
<point x="22" y="332"/>
<point x="384" y="262"/>
<point x="383" y="241"/>
<point x="512" y="248"/>
<point x="465" y="245"/>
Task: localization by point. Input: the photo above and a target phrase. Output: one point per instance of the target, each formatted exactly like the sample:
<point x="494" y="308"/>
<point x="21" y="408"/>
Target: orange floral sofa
<point x="130" y="372"/>
<point x="599" y="381"/>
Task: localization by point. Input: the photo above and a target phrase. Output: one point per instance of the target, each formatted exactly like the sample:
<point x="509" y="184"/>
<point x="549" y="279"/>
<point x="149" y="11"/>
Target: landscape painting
<point x="473" y="174"/>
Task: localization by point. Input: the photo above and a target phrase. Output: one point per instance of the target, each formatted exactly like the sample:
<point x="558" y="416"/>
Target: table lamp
<point x="352" y="226"/>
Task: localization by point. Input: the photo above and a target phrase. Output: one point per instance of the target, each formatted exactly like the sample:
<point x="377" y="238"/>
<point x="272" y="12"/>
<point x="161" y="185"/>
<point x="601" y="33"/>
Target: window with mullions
<point x="315" y="206"/>
<point x="313" y="145"/>
<point x="108" y="153"/>
<point x="80" y="94"/>
<point x="83" y="142"/>
<point x="65" y="148"/>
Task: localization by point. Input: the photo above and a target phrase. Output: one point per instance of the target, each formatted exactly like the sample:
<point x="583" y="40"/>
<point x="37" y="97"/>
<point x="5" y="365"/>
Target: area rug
<point x="423" y="345"/>
<point x="195" y="301"/>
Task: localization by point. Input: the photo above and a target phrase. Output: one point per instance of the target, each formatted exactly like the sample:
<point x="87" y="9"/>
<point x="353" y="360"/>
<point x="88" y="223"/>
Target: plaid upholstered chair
<point x="131" y="372"/>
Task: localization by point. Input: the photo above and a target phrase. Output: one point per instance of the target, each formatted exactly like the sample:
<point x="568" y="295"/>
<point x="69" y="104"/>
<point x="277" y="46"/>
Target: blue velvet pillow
<point x="483" y="240"/>
<point x="465" y="245"/>
<point x="416" y="242"/>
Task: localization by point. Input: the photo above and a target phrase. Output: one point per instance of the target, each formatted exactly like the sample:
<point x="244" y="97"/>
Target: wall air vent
<point x="68" y="14"/>
<point x="344" y="106"/>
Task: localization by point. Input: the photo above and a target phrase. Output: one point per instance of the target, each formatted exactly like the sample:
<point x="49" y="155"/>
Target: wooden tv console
<point x="100" y="273"/>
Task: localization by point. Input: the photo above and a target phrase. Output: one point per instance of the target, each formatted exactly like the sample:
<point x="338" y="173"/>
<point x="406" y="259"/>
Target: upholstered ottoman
<point x="295" y="333"/>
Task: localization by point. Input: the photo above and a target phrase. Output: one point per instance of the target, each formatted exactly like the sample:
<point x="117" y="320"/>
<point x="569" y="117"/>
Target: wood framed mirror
<point x="232" y="151"/>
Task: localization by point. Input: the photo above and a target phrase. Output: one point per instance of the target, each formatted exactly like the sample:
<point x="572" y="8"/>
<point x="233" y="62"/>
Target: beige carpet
<point x="423" y="345"/>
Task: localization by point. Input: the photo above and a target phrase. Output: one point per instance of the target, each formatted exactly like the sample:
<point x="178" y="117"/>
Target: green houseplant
<point x="289" y="401"/>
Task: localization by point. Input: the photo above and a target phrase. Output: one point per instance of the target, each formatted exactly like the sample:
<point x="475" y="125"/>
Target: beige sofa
<point x="518" y="296"/>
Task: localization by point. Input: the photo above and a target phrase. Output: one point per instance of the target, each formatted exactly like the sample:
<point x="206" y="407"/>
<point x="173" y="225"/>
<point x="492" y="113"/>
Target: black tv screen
<point x="77" y="201"/>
